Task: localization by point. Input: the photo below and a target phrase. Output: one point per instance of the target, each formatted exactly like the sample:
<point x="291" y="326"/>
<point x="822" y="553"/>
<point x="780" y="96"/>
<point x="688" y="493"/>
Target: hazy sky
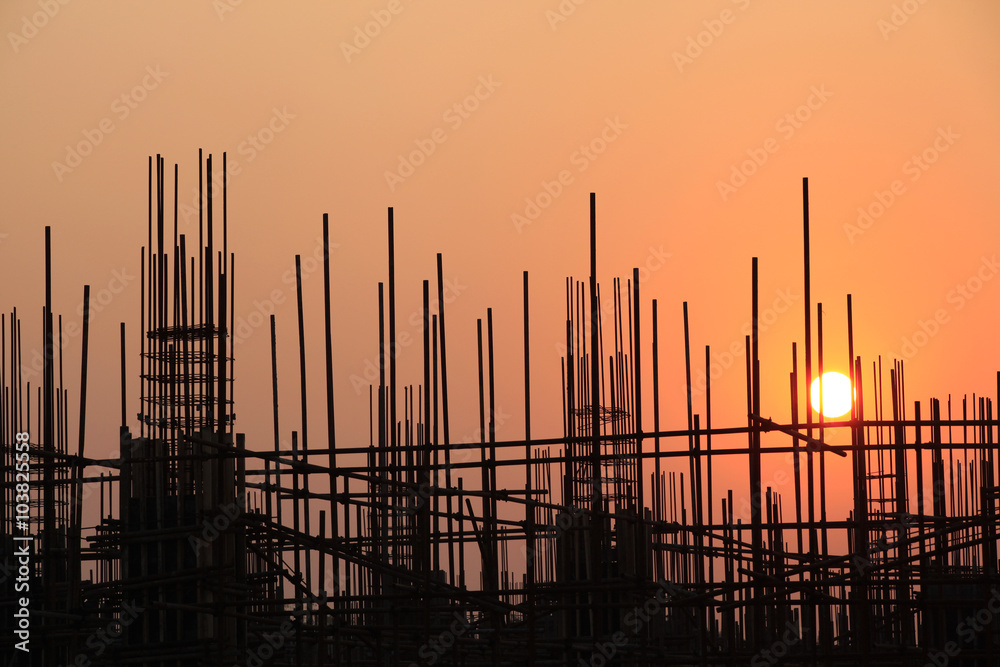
<point x="486" y="126"/>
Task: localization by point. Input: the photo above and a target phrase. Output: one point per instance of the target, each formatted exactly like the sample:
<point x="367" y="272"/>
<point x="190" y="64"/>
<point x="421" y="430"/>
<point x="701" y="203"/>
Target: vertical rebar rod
<point x="331" y="425"/>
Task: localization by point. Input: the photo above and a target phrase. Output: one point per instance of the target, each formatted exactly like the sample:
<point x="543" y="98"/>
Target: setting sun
<point x="836" y="394"/>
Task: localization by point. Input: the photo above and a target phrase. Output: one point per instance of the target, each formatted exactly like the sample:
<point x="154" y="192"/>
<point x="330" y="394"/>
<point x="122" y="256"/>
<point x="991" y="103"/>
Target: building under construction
<point x="212" y="549"/>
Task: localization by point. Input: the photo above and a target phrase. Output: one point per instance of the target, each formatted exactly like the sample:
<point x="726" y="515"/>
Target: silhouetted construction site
<point x="617" y="545"/>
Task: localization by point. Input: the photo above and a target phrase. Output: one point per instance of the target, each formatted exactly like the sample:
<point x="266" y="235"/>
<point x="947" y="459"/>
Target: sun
<point x="837" y="394"/>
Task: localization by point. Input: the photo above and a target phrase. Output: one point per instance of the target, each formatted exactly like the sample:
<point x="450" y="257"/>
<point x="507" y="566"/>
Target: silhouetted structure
<point x="207" y="552"/>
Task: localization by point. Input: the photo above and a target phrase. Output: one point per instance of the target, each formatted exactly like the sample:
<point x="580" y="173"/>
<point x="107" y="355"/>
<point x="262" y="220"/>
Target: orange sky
<point x="889" y="107"/>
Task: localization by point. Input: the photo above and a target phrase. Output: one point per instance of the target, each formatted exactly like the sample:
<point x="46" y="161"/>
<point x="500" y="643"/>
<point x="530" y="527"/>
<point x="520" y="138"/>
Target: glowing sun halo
<point x="836" y="394"/>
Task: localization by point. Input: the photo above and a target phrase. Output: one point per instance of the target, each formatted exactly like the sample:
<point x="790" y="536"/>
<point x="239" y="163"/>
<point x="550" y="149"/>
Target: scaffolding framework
<point x="619" y="548"/>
